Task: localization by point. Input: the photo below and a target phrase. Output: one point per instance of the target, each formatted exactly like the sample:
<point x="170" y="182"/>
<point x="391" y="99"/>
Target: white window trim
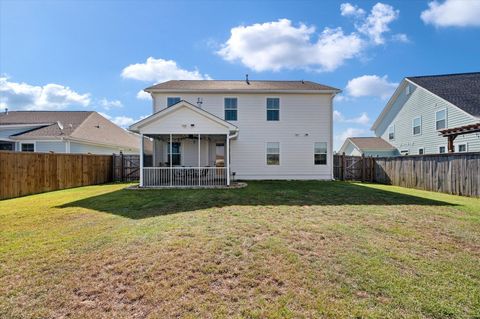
<point x="314" y="153"/>
<point x="413" y="125"/>
<point x="224" y="109"/>
<point x="388" y="132"/>
<point x="421" y="148"/>
<point x="279" y="153"/>
<point x="446" y="149"/>
<point x="446" y="116"/>
<point x="28" y="142"/>
<point x="457" y="147"/>
<point x="171" y="97"/>
<point x="279" y="107"/>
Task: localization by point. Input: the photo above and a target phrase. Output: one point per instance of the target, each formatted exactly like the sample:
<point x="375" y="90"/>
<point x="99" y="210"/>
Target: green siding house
<point x="423" y="105"/>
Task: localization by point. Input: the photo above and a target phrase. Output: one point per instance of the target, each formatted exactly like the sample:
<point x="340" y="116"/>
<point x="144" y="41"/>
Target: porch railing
<point x="184" y="176"/>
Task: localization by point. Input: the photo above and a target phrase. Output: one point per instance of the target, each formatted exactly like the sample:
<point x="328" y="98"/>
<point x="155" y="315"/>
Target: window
<point x="462" y="148"/>
<point x="320" y="153"/>
<point x="421" y="151"/>
<point x="273" y="153"/>
<point x="417" y="126"/>
<point x="28" y="147"/>
<point x="407" y="89"/>
<point x="273" y="109"/>
<point x="7" y="146"/>
<point x="441" y="149"/>
<point x="176" y="156"/>
<point x="441" y="119"/>
<point x="391" y="132"/>
<point x="172" y="100"/>
<point x="230" y="109"/>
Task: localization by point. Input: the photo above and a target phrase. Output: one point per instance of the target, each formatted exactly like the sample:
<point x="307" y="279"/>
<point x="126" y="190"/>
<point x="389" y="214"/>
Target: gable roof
<point x="85" y="126"/>
<point x="182" y="103"/>
<point x="241" y="86"/>
<point x="371" y="143"/>
<point x="462" y="90"/>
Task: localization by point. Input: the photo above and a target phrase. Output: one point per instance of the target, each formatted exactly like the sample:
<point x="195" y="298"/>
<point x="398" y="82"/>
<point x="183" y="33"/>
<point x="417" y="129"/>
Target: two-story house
<point x="424" y="106"/>
<point x="206" y="132"/>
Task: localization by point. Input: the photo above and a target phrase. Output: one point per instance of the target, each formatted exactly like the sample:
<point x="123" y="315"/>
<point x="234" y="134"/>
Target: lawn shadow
<point x="138" y="204"/>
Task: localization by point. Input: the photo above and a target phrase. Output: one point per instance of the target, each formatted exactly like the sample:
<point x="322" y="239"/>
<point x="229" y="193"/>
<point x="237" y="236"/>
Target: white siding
<point x="76" y="147"/>
<point x="424" y="104"/>
<point x="50" y="146"/>
<point x="304" y="120"/>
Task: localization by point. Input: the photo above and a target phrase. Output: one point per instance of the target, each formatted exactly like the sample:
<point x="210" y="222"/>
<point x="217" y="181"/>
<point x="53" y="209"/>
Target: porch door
<point x="176" y="153"/>
<point x="220" y="154"/>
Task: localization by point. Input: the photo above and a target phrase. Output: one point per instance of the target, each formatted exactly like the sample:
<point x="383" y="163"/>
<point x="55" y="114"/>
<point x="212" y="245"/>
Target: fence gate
<point x="355" y="168"/>
<point x="126" y="168"/>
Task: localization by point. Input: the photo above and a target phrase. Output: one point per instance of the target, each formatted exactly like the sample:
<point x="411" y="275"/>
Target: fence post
<point x="113" y="167"/>
<point x="122" y="168"/>
<point x="363" y="167"/>
<point x="343" y="166"/>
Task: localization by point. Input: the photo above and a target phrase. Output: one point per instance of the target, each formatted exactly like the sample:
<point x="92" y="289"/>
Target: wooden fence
<point x="24" y="173"/>
<point x="453" y="173"/>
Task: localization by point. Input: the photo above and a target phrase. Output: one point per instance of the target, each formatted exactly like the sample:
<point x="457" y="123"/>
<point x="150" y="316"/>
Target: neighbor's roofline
<point x="154" y="90"/>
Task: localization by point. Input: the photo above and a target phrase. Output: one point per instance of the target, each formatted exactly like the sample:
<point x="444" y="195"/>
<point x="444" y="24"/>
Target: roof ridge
<point x="440" y="75"/>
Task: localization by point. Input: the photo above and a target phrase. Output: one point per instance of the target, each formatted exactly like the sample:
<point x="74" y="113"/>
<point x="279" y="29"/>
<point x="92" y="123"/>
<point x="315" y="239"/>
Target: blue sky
<point x="94" y="55"/>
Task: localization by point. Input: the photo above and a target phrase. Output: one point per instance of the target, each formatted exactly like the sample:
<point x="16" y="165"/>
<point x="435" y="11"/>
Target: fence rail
<point x="453" y="173"/>
<point x="184" y="176"/>
<point x="24" y="173"/>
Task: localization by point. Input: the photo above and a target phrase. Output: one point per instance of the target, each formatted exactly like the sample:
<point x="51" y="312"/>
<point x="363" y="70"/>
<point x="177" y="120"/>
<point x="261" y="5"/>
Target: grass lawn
<point x="270" y="250"/>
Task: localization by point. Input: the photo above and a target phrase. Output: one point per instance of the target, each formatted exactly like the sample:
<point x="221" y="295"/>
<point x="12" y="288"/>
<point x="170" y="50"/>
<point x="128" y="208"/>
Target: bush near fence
<point x="453" y="173"/>
<point x="24" y="173"/>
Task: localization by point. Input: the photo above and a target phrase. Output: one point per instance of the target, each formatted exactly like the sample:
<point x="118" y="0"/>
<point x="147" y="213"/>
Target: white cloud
<point x="142" y="95"/>
<point x="401" y="37"/>
<point x="370" y="85"/>
<point x="349" y="132"/>
<point x="347" y="9"/>
<point x="122" y="121"/>
<point x="452" y="13"/>
<point x="377" y="22"/>
<point x="107" y="104"/>
<point x="280" y="45"/>
<point x="48" y="97"/>
<point x="361" y="119"/>
<point x="160" y="70"/>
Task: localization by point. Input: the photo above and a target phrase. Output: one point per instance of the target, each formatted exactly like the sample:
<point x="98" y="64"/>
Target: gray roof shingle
<point x="462" y="90"/>
<point x="239" y="85"/>
<point x="371" y="143"/>
<point x="82" y="125"/>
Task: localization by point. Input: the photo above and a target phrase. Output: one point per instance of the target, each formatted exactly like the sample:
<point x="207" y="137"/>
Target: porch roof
<point x="183" y="118"/>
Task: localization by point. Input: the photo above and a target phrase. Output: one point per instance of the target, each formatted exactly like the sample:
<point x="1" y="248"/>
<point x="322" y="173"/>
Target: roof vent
<point x="303" y="82"/>
<point x="60" y="125"/>
<point x="246" y="79"/>
<point x="6" y="110"/>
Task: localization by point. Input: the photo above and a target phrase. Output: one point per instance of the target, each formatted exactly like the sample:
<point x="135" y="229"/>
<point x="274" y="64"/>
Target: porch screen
<point x="176" y="155"/>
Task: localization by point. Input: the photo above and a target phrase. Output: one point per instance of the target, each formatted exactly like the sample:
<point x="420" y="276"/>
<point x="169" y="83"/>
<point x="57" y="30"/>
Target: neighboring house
<point x="247" y="129"/>
<point x="367" y="146"/>
<point x="422" y="106"/>
<point x="64" y="132"/>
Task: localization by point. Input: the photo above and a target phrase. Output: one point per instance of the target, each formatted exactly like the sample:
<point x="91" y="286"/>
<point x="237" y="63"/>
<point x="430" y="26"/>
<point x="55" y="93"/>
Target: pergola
<point x="452" y="133"/>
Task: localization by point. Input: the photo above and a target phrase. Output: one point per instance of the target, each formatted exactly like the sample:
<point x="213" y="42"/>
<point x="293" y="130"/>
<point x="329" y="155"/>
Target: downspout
<point x="331" y="135"/>
<point x="228" y="155"/>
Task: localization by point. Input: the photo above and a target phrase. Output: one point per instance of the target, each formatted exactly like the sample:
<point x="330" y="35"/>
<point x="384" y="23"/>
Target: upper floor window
<point x="273" y="153"/>
<point x="171" y="100"/>
<point x="441" y="149"/>
<point x="462" y="147"/>
<point x="230" y="108"/>
<point x="417" y="126"/>
<point x="441" y="119"/>
<point x="391" y="132"/>
<point x="273" y="109"/>
<point x="421" y="151"/>
<point x="407" y="89"/>
<point x="320" y="153"/>
<point x="28" y="147"/>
